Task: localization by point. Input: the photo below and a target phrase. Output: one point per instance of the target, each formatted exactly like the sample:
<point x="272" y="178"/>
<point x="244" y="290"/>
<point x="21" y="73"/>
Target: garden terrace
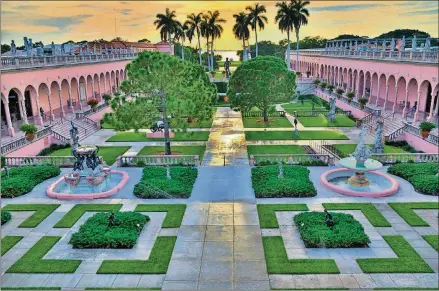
<point x="141" y="137"/>
<point x="289" y="135"/>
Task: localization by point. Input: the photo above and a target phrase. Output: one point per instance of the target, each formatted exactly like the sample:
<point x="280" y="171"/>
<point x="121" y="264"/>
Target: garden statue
<point x="384" y="45"/>
<point x="111" y="219"/>
<point x="378" y="146"/>
<point x="376" y="45"/>
<point x="329" y="220"/>
<point x="63" y="51"/>
<point x="414" y="44"/>
<point x="26" y="45"/>
<point x="74" y="136"/>
<point x="362" y="152"/>
<point x="106" y="49"/>
<point x="29" y="52"/>
<point x="402" y="47"/>
<point x="427" y="44"/>
<point x="52" y="49"/>
<point x="331" y="116"/>
<point x="356" y="45"/>
<point x="392" y="45"/>
<point x="87" y="49"/>
<point x="40" y="50"/>
<point x="350" y="45"/>
<point x="94" y="49"/>
<point x="368" y="45"/>
<point x="13" y="48"/>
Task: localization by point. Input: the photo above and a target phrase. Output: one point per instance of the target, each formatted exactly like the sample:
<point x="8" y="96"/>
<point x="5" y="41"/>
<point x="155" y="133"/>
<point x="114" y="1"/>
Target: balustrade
<point x="290" y="159"/>
<point x="67" y="161"/>
<point x="416" y="131"/>
<point x="158" y="160"/>
<point x="387" y="159"/>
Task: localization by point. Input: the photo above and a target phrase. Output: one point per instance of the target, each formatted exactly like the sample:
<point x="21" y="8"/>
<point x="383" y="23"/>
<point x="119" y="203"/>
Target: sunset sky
<point x="60" y="21"/>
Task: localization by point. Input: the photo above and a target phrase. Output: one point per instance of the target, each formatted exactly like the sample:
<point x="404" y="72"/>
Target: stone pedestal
<point x="358" y="180"/>
<point x="159" y="134"/>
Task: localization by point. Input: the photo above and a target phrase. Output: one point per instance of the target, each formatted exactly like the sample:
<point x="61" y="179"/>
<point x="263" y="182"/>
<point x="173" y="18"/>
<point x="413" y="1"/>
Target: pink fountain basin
<point x="61" y="190"/>
<point x="381" y="184"/>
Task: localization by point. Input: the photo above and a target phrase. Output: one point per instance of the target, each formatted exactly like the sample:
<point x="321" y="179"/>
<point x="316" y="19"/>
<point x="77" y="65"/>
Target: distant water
<point x="228" y="54"/>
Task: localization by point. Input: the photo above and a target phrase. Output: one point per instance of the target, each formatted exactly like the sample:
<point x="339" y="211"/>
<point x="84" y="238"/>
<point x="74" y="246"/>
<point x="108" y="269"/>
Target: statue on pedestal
<point x="331" y="116"/>
<point x="384" y="45"/>
<point x="26" y="45"/>
<point x="87" y="49"/>
<point x="362" y="152"/>
<point x="29" y="52"/>
<point x="106" y="49"/>
<point x="378" y="146"/>
<point x="94" y="49"/>
<point x="40" y="50"/>
<point x="392" y="45"/>
<point x="402" y="47"/>
<point x="414" y="44"/>
<point x="63" y="51"/>
<point x="356" y="45"/>
<point x="13" y="48"/>
<point x="52" y="48"/>
<point x="428" y="44"/>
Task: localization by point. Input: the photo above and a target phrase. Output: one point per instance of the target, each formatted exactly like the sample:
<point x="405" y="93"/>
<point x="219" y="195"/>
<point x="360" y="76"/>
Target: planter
<point x="362" y="105"/>
<point x="425" y="133"/>
<point x="30" y="136"/>
<point x="349" y="100"/>
<point x="212" y="74"/>
<point x="226" y="99"/>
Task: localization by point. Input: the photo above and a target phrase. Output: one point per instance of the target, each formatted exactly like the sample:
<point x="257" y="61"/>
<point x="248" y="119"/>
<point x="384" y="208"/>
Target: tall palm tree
<point x="301" y="15"/>
<point x="180" y="35"/>
<point x="256" y="18"/>
<point x="241" y="30"/>
<point x="205" y="32"/>
<point x="168" y="26"/>
<point x="285" y="18"/>
<point x="194" y="27"/>
<point x="215" y="30"/>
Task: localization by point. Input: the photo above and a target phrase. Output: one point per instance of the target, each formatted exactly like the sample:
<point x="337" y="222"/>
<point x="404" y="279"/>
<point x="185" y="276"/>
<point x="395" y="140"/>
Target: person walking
<point x="227" y="67"/>
<point x="295" y="122"/>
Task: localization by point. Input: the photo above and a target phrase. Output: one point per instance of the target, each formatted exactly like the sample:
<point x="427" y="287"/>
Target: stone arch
<point x="367" y="84"/>
<point x="56" y="98"/>
<point x="45" y="101"/>
<point x="361" y="83"/>
<point x="66" y="94"/>
<point x="102" y="83"/>
<point x="399" y="98"/>
<point x="15" y="104"/>
<point x="83" y="89"/>
<point x="30" y="101"/>
<point x="75" y="93"/>
<point x="426" y="90"/>
<point x="90" y="87"/>
<point x="113" y="81"/>
<point x="434" y="107"/>
<point x="391" y="83"/>
<point x="96" y="86"/>
<point x="374" y="88"/>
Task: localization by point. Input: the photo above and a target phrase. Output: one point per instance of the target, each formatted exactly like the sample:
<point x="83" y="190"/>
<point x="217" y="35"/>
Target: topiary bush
<point x="426" y="184"/>
<point x="155" y="183"/>
<point x="347" y="232"/>
<point x="294" y="183"/>
<point x="6" y="216"/>
<point x="52" y="148"/>
<point x="118" y="230"/>
<point x="22" y="180"/>
<point x="421" y="175"/>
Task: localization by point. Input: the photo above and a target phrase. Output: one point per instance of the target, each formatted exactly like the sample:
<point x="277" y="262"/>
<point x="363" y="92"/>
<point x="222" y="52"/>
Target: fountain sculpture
<point x="97" y="180"/>
<point x="359" y="175"/>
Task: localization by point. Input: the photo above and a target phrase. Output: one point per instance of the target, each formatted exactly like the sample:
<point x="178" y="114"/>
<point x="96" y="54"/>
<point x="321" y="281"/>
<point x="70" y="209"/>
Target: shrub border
<point x="8" y="242"/>
<point x="42" y="211"/>
<point x="78" y="211"/>
<point x="267" y="213"/>
<point x="405" y="210"/>
<point x="369" y="210"/>
<point x="174" y="215"/>
<point x="432" y="240"/>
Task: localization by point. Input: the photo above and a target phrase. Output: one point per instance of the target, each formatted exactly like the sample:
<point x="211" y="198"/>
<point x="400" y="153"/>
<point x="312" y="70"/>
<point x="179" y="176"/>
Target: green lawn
<point x="274" y="149"/>
<point x="258" y="122"/>
<point x="405" y="210"/>
<point x="78" y="210"/>
<point x="298" y="106"/>
<point x="141" y="136"/>
<point x="109" y="154"/>
<point x="369" y="210"/>
<point x="179" y="150"/>
<point x="348" y="149"/>
<point x="174" y="213"/>
<point x="232" y="63"/>
<point x="8" y="242"/>
<point x="322" y="121"/>
<point x="433" y="240"/>
<point x="41" y="212"/>
<point x="203" y="124"/>
<point x="289" y="135"/>
<point x="267" y="213"/>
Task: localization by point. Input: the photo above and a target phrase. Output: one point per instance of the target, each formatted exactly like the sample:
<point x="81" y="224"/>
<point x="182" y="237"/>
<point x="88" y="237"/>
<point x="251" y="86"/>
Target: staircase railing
<point x="387" y="159"/>
<point x="158" y="160"/>
<point x="60" y="137"/>
<point x="21" y="142"/>
<point x="290" y="159"/>
<point x="415" y="131"/>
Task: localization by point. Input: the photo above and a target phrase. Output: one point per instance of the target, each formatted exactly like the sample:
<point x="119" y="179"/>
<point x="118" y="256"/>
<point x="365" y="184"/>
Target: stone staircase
<point x="86" y="128"/>
<point x="392" y="123"/>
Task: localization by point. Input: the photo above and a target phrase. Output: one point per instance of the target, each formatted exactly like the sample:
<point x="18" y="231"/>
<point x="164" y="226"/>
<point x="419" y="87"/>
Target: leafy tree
<point x="266" y="48"/>
<point x="260" y="82"/>
<point x="399" y="33"/>
<point x="310" y="42"/>
<point x="118" y="38"/>
<point x="168" y="26"/>
<point x="178" y="88"/>
<point x="257" y="19"/>
<point x="5" y="48"/>
<point x="194" y="27"/>
<point x="349" y="36"/>
<point x="241" y="31"/>
<point x="301" y="15"/>
<point x="144" y="40"/>
<point x="180" y="35"/>
<point x="190" y="54"/>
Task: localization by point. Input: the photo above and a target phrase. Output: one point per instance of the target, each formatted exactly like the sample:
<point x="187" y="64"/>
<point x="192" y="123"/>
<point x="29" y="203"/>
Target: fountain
<point x="97" y="180"/>
<point x="359" y="176"/>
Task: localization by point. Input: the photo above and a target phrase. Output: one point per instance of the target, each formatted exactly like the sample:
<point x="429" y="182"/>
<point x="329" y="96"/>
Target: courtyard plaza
<point x="225" y="237"/>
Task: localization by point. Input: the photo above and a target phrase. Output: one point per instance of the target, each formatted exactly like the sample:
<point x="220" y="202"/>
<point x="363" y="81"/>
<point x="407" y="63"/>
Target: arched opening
<point x="75" y="91"/>
<point x="30" y="103"/>
<point x="82" y="90"/>
<point x="428" y="100"/>
<point x="90" y="89"/>
<point x="14" y="105"/>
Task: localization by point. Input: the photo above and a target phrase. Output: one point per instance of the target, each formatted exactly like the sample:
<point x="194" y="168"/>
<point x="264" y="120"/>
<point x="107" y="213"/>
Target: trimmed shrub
<point x="294" y="183"/>
<point x="427" y="184"/>
<point x="308" y="163"/>
<point x="22" y="180"/>
<point x="6" y="216"/>
<point x="347" y="232"/>
<point x="402" y="144"/>
<point x="155" y="183"/>
<point x="52" y="148"/>
<point x="3" y="161"/>
<point x="116" y="230"/>
<point x="421" y="175"/>
<point x="221" y="87"/>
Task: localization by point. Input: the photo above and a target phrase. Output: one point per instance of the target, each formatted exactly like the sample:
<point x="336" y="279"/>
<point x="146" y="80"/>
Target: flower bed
<point x="6" y="216"/>
<point x="421" y="175"/>
<point x="23" y="179"/>
<point x="115" y="230"/>
<point x="155" y="183"/>
<point x="346" y="233"/>
<point x="294" y="183"/>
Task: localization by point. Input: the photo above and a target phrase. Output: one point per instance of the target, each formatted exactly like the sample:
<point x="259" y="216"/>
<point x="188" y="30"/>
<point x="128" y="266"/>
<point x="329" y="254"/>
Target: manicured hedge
<point x="421" y="175"/>
<point x="346" y="233"/>
<point x="22" y="180"/>
<point x="402" y="144"/>
<point x="221" y="87"/>
<point x="100" y="231"/>
<point x="53" y="148"/>
<point x="6" y="216"/>
<point x="155" y="183"/>
<point x="294" y="183"/>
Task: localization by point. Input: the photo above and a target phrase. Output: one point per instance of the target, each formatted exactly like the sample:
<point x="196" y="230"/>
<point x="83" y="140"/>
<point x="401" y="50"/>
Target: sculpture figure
<point x="30" y="46"/>
<point x="392" y="45"/>
<point x="13" y="48"/>
<point x="329" y="220"/>
<point x="362" y="152"/>
<point x="414" y="44"/>
<point x="378" y="146"/>
<point x="62" y="49"/>
<point x="356" y="45"/>
<point x="350" y="45"/>
<point x="427" y="44"/>
<point x="94" y="49"/>
<point x="106" y="49"/>
<point x="26" y="45"/>
<point x="74" y="136"/>
<point x="52" y="48"/>
<point x="87" y="49"/>
<point x="402" y="47"/>
<point x="331" y="115"/>
<point x="40" y="50"/>
<point x="384" y="45"/>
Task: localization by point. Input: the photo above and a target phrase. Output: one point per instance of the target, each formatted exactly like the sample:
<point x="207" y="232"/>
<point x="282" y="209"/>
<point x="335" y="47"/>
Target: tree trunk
<point x="182" y="50"/>
<point x="244" y="51"/>
<point x="170" y="46"/>
<point x="288" y="50"/>
<point x="297" y="51"/>
<point x="208" y="54"/>
<point x="166" y="125"/>
<point x="265" y="112"/>
<point x="256" y="38"/>
<point x="199" y="48"/>
<point x="212" y="57"/>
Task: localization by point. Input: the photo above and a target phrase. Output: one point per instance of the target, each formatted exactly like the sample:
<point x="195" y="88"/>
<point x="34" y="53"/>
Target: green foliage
<point x="339" y="91"/>
<point x="100" y="231"/>
<point x="427" y="126"/>
<point x="41" y="212"/>
<point x="402" y="144"/>
<point x="421" y="175"/>
<point x="267" y="213"/>
<point x="28" y="128"/>
<point x="78" y="210"/>
<point x="273" y="122"/>
<point x="426" y="184"/>
<point x="323" y="85"/>
<point x="53" y="148"/>
<point x="32" y="261"/>
<point x="346" y="233"/>
<point x="331" y="87"/>
<point x="399" y="33"/>
<point x="265" y="48"/>
<point x="408" y="261"/>
<point x="260" y="82"/>
<point x="433" y="240"/>
<point x="405" y="210"/>
<point x="221" y="87"/>
<point x="278" y="262"/>
<point x="106" y="97"/>
<point x="8" y="242"/>
<point x="5" y="217"/>
<point x="289" y="135"/>
<point x="23" y="179"/>
<point x="155" y="183"/>
<point x="294" y="183"/>
<point x="316" y="82"/>
<point x="174" y="213"/>
<point x="141" y="136"/>
<point x="363" y="100"/>
<point x="2" y="161"/>
<point x="350" y="95"/>
<point x="369" y="210"/>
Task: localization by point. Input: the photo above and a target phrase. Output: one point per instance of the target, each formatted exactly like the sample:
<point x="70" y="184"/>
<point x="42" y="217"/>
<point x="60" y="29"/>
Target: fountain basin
<point x="60" y="189"/>
<point x="381" y="184"/>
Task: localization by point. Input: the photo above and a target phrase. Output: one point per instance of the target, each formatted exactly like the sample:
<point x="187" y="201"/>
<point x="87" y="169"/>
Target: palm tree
<point x="256" y="18"/>
<point x="285" y="17"/>
<point x="215" y="30"/>
<point x="301" y="15"/>
<point x="205" y="32"/>
<point x="194" y="27"/>
<point x="167" y="25"/>
<point x="241" y="31"/>
<point x="180" y="35"/>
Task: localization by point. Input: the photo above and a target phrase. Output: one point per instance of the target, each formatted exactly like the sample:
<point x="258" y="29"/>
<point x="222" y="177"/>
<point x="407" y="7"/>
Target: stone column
<point x="432" y="110"/>
<point x="385" y="97"/>
<point x="79" y="96"/>
<point x="38" y="118"/>
<point x="416" y="116"/>
<point x="364" y="88"/>
<point x="72" y="110"/>
<point x="105" y="85"/>
<point x="60" y="103"/>
<point x="11" y="129"/>
<point x="51" y="115"/>
<point x="99" y="90"/>
<point x="404" y="111"/>
<point x="93" y="89"/>
<point x="86" y="92"/>
<point x="371" y="89"/>
<point x="22" y="108"/>
<point x="396" y="99"/>
<point x="357" y="86"/>
<point x="378" y="92"/>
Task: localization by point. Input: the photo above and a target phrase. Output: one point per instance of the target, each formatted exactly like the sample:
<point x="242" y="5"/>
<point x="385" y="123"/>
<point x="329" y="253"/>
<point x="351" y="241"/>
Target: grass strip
<point x="322" y="121"/>
<point x="32" y="261"/>
<point x="334" y="288"/>
<point x="8" y="242"/>
<point x="174" y="215"/>
<point x="408" y="261"/>
<point x="405" y="210"/>
<point x="109" y="153"/>
<point x="289" y="135"/>
<point x="433" y="240"/>
<point x="274" y="149"/>
<point x="267" y="213"/>
<point x="41" y="212"/>
<point x="157" y="263"/>
<point x="141" y="136"/>
<point x="258" y="122"/>
<point x="179" y="150"/>
<point x="369" y="210"/>
<point x="278" y="262"/>
<point x="78" y="210"/>
<point x="31" y="288"/>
